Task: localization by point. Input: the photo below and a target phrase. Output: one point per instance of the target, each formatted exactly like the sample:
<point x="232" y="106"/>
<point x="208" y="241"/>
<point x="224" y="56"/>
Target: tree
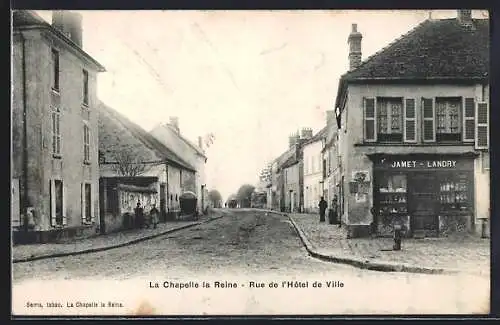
<point x="128" y="164"/>
<point x="244" y="195"/>
<point x="215" y="198"/>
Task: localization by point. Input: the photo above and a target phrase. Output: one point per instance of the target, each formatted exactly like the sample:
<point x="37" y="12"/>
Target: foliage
<point x="215" y="198"/>
<point x="128" y="164"/>
<point x="244" y="195"/>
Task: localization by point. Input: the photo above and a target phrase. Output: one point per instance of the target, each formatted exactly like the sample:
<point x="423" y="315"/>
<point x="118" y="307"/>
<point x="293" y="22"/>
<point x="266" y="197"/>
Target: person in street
<point x="154" y="213"/>
<point x="139" y="215"/>
<point x="322" y="208"/>
<point x="335" y="211"/>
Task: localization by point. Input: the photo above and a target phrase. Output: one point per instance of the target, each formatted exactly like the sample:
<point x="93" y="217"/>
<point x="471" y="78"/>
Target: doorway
<point x="422" y="205"/>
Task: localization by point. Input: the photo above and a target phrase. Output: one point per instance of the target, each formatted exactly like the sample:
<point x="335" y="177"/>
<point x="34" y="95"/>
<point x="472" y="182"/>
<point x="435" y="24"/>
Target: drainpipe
<point x="25" y="204"/>
<point x="168" y="197"/>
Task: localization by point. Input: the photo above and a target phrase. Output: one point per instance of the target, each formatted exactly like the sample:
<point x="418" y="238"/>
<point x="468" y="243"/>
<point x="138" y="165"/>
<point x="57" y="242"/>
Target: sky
<point x="250" y="77"/>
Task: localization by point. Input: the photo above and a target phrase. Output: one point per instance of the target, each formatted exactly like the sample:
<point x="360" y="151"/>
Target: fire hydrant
<point x="397" y="237"/>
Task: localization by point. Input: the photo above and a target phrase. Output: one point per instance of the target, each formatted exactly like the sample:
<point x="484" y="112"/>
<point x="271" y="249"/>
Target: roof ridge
<point x="392" y="43"/>
<point x="187" y="141"/>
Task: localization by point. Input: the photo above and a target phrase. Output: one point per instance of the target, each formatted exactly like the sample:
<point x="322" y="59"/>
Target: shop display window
<point x="392" y="191"/>
<point x="453" y="193"/>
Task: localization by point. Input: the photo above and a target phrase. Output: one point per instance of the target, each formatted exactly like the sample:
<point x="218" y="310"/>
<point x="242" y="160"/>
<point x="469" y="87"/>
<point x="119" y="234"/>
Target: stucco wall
<point x="41" y="165"/>
<point x="292" y="183"/>
<point x="312" y="175"/>
<point x="354" y="157"/>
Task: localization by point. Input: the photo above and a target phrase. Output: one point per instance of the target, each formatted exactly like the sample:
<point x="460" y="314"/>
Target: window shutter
<point x="64" y="218"/>
<point x="92" y="212"/>
<point x="52" y="186"/>
<point x="429" y="125"/>
<point x="469" y="120"/>
<point x="83" y="202"/>
<point x="482" y="126"/>
<point x="369" y="120"/>
<point x="410" y="124"/>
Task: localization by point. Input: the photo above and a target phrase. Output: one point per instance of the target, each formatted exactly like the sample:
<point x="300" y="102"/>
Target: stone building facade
<point x="414" y="137"/>
<point x="55" y="169"/>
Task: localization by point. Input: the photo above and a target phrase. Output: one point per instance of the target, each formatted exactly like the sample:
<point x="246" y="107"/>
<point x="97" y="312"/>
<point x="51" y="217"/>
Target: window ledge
<point x="88" y="223"/>
<point x="85" y="106"/>
<point x="87" y="162"/>
<point x="55" y="91"/>
<point x="56" y="156"/>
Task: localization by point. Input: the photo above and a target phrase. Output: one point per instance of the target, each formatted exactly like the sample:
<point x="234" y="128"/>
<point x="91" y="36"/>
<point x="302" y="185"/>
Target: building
<point x="313" y="170"/>
<point x="332" y="167"/>
<point x="54" y="157"/>
<point x="414" y="137"/>
<point x="169" y="135"/>
<point x="135" y="167"/>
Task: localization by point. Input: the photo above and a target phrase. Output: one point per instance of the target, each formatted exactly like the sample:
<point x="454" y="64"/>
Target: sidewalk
<point x="24" y="253"/>
<point x="430" y="255"/>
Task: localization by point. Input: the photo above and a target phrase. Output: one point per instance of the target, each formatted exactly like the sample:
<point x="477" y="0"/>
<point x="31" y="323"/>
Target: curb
<point x="100" y="249"/>
<point x="365" y="264"/>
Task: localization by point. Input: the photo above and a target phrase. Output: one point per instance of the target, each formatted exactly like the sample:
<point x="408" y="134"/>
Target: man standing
<point x="335" y="211"/>
<point x="322" y="208"/>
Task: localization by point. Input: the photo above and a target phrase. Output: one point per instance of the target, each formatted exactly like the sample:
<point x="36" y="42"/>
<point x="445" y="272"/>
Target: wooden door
<point x="422" y="205"/>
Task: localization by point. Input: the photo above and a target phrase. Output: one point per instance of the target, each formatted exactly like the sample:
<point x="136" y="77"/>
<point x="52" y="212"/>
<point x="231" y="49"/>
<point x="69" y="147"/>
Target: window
<point x="87" y="203"/>
<point x="57" y="203"/>
<point x="85" y="87"/>
<point x="389" y="119"/>
<point x="56" y="131"/>
<point x="55" y="70"/>
<point x="86" y="143"/>
<point x="448" y="119"/>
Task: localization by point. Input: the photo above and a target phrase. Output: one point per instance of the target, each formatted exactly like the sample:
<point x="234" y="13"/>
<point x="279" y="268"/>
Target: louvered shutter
<point x="83" y="203"/>
<point x="410" y="126"/>
<point x="482" y="126"/>
<point x="469" y="120"/>
<point x="92" y="207"/>
<point x="64" y="218"/>
<point x="429" y="124"/>
<point x="369" y="120"/>
<point x="52" y="185"/>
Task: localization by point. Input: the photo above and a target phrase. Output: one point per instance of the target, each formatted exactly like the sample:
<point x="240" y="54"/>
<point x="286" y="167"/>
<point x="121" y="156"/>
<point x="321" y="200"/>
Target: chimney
<point x="174" y="122"/>
<point x="306" y="133"/>
<point x="200" y="142"/>
<point x="354" y="41"/>
<point x="330" y="117"/>
<point x="464" y="17"/>
<point x="70" y="24"/>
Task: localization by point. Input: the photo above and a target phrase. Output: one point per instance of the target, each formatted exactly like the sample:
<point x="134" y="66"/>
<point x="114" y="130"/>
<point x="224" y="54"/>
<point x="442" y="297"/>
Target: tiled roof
<point x="290" y="162"/>
<point x="28" y="18"/>
<point x="118" y="133"/>
<point x="187" y="141"/>
<point x="434" y="49"/>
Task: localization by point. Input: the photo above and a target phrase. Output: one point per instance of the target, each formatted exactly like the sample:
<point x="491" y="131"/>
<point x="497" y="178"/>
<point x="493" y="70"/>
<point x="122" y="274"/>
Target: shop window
<point x="448" y="119"/>
<point x="389" y="119"/>
<point x="392" y="190"/>
<point x="454" y="193"/>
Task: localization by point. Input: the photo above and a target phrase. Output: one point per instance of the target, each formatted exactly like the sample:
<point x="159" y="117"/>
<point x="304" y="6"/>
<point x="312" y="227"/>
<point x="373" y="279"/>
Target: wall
<point x="354" y="155"/>
<point x="174" y="188"/>
<point x="313" y="176"/>
<point x="41" y="165"/>
<point x="292" y="183"/>
<point x="171" y="139"/>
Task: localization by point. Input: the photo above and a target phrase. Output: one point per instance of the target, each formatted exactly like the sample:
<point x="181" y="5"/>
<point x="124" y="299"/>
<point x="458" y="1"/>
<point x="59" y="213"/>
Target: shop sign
<point x="423" y="164"/>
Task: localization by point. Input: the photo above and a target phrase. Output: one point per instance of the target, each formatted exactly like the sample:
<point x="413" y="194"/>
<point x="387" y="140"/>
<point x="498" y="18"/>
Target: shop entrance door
<point x="422" y="205"/>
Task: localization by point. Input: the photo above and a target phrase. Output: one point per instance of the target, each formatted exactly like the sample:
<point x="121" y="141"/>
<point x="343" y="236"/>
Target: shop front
<point x="429" y="195"/>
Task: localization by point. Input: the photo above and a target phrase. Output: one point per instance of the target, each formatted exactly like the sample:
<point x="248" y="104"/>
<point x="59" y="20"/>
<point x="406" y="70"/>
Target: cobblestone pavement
<point x="34" y="250"/>
<point x="465" y="254"/>
<point x="243" y="247"/>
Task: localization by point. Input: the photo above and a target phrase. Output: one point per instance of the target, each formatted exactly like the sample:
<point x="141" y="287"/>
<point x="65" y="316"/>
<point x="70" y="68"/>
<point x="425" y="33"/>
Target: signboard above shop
<point x="414" y="163"/>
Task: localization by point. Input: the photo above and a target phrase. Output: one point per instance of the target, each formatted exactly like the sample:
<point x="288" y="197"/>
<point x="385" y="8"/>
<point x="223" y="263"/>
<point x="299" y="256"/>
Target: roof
<point x="290" y="162"/>
<point x="198" y="150"/>
<point x="317" y="137"/>
<point x="118" y="133"/>
<point x="434" y="50"/>
<point x="26" y="19"/>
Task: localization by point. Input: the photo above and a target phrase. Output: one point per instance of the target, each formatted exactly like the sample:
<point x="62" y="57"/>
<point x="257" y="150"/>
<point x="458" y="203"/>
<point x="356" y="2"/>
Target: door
<point x="14" y="205"/>
<point x="163" y="202"/>
<point x="422" y="205"/>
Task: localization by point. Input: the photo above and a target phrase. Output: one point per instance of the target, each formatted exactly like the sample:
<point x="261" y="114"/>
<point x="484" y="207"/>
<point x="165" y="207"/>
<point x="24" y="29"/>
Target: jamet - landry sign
<point x="423" y="164"/>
